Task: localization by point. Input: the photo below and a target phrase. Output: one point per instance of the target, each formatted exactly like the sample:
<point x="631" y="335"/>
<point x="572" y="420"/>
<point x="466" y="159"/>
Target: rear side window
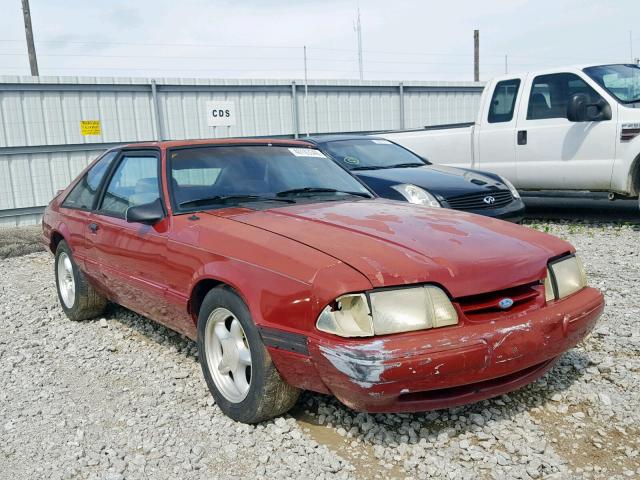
<point x="503" y="101"/>
<point x="134" y="182"/>
<point x="550" y="95"/>
<point x="84" y="193"/>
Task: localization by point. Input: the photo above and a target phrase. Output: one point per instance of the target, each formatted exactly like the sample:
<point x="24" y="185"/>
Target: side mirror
<point x="147" y="213"/>
<point x="579" y="109"/>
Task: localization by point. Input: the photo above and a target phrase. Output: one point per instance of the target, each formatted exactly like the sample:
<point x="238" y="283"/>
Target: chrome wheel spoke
<point x="221" y="331"/>
<point x="244" y="356"/>
<point x="236" y="330"/>
<point x="240" y="380"/>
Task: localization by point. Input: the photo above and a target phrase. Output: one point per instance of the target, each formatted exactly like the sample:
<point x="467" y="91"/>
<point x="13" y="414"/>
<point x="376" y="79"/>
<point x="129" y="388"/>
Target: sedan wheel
<point x="78" y="298"/>
<point x="235" y="363"/>
<point x="228" y="355"/>
<point x="66" y="282"/>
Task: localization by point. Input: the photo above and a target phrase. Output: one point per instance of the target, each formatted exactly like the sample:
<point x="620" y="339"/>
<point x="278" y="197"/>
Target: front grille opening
<point x="476" y="201"/>
<point x="486" y="306"/>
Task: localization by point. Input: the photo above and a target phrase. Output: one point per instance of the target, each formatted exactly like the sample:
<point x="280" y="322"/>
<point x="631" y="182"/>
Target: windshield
<point x="220" y="176"/>
<point x="621" y="81"/>
<point x="372" y="153"/>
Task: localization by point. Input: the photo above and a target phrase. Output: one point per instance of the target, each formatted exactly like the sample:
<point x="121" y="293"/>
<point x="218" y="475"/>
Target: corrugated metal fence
<point x="42" y="148"/>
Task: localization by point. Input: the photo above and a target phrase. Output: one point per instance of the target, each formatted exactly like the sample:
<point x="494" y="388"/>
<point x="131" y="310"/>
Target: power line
<point x="237" y="58"/>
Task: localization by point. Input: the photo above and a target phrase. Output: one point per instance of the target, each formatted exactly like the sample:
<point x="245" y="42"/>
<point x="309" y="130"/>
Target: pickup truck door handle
<point x="94" y="227"/>
<point x="522" y="137"/>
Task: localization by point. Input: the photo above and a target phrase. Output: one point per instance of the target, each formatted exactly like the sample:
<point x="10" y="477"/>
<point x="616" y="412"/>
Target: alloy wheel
<point x="228" y="355"/>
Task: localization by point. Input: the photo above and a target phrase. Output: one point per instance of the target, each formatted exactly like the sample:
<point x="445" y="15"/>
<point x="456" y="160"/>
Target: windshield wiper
<point x="372" y="167"/>
<point x="225" y="198"/>
<point x="385" y="167"/>
<point x="404" y="165"/>
<point x="303" y="190"/>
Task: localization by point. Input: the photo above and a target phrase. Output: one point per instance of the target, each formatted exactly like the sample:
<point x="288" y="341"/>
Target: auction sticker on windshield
<point x="307" y="152"/>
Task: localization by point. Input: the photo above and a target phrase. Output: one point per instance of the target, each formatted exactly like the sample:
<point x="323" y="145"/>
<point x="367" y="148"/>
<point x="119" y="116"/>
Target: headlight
<point x="348" y="316"/>
<point x="392" y="311"/>
<point x="510" y="186"/>
<point x="564" y="277"/>
<point x="417" y="195"/>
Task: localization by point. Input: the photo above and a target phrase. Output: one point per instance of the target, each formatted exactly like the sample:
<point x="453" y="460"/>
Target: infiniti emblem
<point x="489" y="200"/>
<point x="505" y="303"/>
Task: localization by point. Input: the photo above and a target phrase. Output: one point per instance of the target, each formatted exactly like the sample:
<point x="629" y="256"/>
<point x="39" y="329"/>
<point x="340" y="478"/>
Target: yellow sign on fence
<point x="90" y="127"/>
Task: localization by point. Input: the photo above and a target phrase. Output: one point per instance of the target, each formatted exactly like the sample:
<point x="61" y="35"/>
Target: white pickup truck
<point x="575" y="128"/>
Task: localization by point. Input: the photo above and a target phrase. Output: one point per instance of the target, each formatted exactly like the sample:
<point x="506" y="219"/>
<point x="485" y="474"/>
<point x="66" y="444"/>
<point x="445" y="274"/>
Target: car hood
<point x="439" y="179"/>
<point x="395" y="243"/>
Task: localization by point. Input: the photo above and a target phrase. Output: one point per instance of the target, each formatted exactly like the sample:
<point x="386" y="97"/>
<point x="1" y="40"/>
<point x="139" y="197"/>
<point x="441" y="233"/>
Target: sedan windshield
<point x="371" y="154"/>
<point x="221" y="176"/>
<point x="621" y="81"/>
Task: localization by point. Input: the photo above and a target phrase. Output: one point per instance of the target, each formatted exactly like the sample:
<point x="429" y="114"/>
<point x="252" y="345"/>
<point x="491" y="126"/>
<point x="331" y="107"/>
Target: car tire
<point x="79" y="300"/>
<point x="229" y="343"/>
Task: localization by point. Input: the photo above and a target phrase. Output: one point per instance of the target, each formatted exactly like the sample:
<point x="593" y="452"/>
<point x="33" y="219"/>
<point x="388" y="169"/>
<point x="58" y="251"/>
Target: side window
<point x="550" y="95"/>
<point x="503" y="101"/>
<point x="134" y="182"/>
<point x="84" y="193"/>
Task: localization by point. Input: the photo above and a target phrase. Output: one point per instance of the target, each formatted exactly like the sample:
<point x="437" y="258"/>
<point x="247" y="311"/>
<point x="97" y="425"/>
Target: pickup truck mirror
<point x="147" y="213"/>
<point x="580" y="109"/>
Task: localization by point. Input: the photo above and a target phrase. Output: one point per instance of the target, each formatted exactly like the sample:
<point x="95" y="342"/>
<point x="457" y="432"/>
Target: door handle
<point x="522" y="137"/>
<point x="94" y="227"/>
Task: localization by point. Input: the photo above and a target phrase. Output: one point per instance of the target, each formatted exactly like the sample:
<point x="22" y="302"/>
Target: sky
<point x="402" y="39"/>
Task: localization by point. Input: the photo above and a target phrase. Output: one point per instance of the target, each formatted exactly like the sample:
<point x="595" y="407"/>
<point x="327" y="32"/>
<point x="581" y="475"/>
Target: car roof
<point x="318" y="139"/>
<point x="218" y="141"/>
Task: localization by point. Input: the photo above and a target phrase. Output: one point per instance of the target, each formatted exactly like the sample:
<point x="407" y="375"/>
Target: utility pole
<point x="476" y="55"/>
<point x="506" y="64"/>
<point x="631" y="45"/>
<point x="358" y="29"/>
<point x="33" y="61"/>
<point x="306" y="94"/>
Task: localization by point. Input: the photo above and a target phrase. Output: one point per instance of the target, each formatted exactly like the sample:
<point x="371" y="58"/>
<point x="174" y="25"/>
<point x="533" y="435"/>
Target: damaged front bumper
<point x="452" y="366"/>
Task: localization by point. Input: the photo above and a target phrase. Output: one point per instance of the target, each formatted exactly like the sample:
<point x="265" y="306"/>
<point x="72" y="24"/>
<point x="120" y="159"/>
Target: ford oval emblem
<point x="505" y="303"/>
<point x="489" y="200"/>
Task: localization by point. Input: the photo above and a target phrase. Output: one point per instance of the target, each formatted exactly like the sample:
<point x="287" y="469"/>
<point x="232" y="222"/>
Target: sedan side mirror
<point x="147" y="213"/>
<point x="580" y="109"/>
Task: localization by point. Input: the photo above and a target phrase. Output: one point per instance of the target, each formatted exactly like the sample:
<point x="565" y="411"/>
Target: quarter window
<point x="135" y="182"/>
<point x="550" y="95"/>
<point x="503" y="101"/>
<point x="84" y="193"/>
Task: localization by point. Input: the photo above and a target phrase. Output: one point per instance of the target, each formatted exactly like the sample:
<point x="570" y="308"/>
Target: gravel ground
<point x="121" y="397"/>
<point x="19" y="241"/>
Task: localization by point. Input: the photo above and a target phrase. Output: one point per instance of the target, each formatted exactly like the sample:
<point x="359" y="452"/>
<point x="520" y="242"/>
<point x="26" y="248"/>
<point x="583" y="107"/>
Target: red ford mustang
<point x="291" y="276"/>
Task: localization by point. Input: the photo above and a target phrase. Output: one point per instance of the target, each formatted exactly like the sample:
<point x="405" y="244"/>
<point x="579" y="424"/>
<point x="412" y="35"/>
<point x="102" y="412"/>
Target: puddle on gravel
<point x="361" y="457"/>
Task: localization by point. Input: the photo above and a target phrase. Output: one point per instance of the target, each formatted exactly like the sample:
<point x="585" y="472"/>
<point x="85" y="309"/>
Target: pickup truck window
<point x="550" y="95"/>
<point x="503" y="101"/>
<point x="621" y="81"/>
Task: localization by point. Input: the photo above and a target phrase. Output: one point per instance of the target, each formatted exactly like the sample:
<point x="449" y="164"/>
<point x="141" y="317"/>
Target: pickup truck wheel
<point x="236" y="365"/>
<point x="79" y="300"/>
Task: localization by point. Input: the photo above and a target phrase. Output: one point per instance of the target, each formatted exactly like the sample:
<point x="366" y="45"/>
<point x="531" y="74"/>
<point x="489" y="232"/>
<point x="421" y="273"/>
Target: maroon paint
<point x="287" y="263"/>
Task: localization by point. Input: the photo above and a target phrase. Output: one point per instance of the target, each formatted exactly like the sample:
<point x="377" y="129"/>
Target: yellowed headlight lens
<point x="392" y="311"/>
<point x="549" y="294"/>
<point x="409" y="309"/>
<point x="569" y="275"/>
